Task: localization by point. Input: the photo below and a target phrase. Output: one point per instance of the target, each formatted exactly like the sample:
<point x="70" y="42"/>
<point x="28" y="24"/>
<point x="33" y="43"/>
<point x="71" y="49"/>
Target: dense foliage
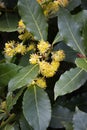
<point x="43" y="64"/>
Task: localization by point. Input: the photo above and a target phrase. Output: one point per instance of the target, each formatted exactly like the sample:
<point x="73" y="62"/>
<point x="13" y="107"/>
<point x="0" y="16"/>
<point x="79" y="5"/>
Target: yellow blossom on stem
<point x="55" y="65"/>
<point x="58" y="55"/>
<point x="20" y="48"/>
<point x="41" y="82"/>
<point x="3" y="105"/>
<point x="63" y="3"/>
<point x="51" y="8"/>
<point x="43" y="46"/>
<point x="21" y="26"/>
<point x="25" y="36"/>
<point x="34" y="59"/>
<point x="31" y="47"/>
<point x="48" y="69"/>
<point x="9" y="48"/>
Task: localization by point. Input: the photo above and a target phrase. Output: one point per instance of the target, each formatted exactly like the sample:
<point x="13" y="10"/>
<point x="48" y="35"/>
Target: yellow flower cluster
<point x="63" y="3"/>
<point x="43" y="46"/>
<point x="21" y="26"/>
<point x="9" y="48"/>
<point x="31" y="47"/>
<point x="58" y="55"/>
<point x="34" y="58"/>
<point x="50" y="7"/>
<point x="41" y="82"/>
<point x="20" y="48"/>
<point x="12" y="48"/>
<point x="24" y="34"/>
<point x="48" y="69"/>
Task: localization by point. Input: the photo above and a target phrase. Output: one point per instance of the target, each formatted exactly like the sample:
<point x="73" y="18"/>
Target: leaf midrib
<point x="71" y="80"/>
<point x="7" y="20"/>
<point x="36" y="103"/>
<point x="28" y="9"/>
<point x="25" y="75"/>
<point x="70" y="30"/>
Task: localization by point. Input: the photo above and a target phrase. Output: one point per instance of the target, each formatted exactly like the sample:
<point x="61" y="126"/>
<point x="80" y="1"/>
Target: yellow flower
<point x="48" y="69"/>
<point x="43" y="46"/>
<point x="20" y="48"/>
<point x="9" y="48"/>
<point x="51" y="8"/>
<point x="31" y="47"/>
<point x="63" y="3"/>
<point x="55" y="65"/>
<point x="3" y="105"/>
<point x="58" y="55"/>
<point x="25" y="36"/>
<point x="34" y="58"/>
<point x="43" y="1"/>
<point x="41" y="82"/>
<point x="21" y="26"/>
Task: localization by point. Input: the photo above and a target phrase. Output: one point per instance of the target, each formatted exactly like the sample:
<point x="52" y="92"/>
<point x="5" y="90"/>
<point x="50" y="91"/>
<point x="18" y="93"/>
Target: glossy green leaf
<point x="24" y="77"/>
<point x="85" y="35"/>
<point x="84" y="4"/>
<point x="68" y="126"/>
<point x="32" y="15"/>
<point x="7" y="71"/>
<point x="2" y="115"/>
<point x="58" y="38"/>
<point x="12" y="99"/>
<point x="37" y="108"/>
<point x="9" y="127"/>
<point x="9" y="22"/>
<point x="70" y="31"/>
<point x="81" y="18"/>
<point x="73" y="4"/>
<point x="59" y="116"/>
<point x="82" y="63"/>
<point x="80" y="120"/>
<point x="70" y="81"/>
<point x="24" y="124"/>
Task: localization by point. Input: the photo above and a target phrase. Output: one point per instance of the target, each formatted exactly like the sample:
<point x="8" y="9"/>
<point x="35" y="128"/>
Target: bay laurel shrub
<point x="43" y="64"/>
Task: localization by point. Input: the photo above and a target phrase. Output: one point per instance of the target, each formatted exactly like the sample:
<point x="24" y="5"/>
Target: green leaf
<point x="58" y="38"/>
<point x="9" y="127"/>
<point x="70" y="81"/>
<point x="7" y="71"/>
<point x="11" y="100"/>
<point x="37" y="108"/>
<point x="24" y="61"/>
<point x="24" y="124"/>
<point x="24" y="77"/>
<point x="59" y="115"/>
<point x="85" y="35"/>
<point x="70" y="31"/>
<point x="81" y="18"/>
<point x="84" y="4"/>
<point x="68" y="126"/>
<point x="32" y="15"/>
<point x="2" y="115"/>
<point x="82" y="63"/>
<point x="80" y="120"/>
<point x="73" y="4"/>
<point x="9" y="22"/>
